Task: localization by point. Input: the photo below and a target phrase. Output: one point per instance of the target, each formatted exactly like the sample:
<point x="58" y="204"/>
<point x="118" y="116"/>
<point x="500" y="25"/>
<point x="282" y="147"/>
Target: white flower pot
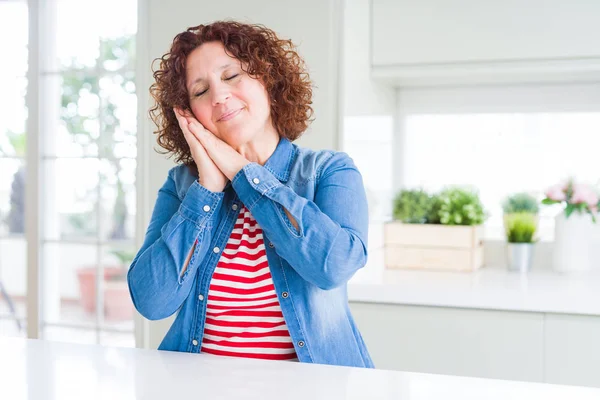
<point x="573" y="239"/>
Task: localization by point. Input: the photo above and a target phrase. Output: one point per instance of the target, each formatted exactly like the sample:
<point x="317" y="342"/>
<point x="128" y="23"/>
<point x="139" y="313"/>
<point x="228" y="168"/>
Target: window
<point x="87" y="139"/>
<point x="501" y="141"/>
<point x="88" y="159"/>
<point x="368" y="140"/>
<point x="13" y="114"/>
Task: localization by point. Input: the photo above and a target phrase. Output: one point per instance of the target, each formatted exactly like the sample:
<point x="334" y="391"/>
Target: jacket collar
<point x="280" y="162"/>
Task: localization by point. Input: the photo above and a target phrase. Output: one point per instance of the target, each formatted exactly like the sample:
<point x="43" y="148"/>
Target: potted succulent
<point x="412" y="206"/>
<point x="117" y="301"/>
<point x="520" y="225"/>
<point x="457" y="206"/>
<point x="520" y="202"/>
<point x="439" y="231"/>
<point x="574" y="226"/>
<point x="520" y="228"/>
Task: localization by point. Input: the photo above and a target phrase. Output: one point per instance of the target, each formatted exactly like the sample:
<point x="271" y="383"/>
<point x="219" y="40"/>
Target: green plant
<point x="520" y="227"/>
<point x="521" y="202"/>
<point x="433" y="216"/>
<point x="412" y="206"/>
<point x="458" y="206"/>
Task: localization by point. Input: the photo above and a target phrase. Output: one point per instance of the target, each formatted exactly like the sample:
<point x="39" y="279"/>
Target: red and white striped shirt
<point x="243" y="315"/>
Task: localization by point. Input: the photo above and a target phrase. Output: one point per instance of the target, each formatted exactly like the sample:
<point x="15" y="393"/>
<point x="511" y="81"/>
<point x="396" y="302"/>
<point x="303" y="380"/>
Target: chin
<point x="236" y="138"/>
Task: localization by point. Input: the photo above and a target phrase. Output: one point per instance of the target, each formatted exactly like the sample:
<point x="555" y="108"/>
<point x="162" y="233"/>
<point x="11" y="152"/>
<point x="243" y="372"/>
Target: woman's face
<point x="223" y="98"/>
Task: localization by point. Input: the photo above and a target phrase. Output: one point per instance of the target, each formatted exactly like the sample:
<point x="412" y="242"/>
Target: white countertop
<point x="36" y="370"/>
<point x="488" y="288"/>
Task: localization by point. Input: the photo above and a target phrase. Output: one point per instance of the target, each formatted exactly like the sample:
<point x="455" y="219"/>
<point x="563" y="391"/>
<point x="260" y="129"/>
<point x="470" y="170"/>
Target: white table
<point x="36" y="370"/>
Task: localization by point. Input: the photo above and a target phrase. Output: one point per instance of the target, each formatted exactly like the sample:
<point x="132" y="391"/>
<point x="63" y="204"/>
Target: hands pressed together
<point x="217" y="161"/>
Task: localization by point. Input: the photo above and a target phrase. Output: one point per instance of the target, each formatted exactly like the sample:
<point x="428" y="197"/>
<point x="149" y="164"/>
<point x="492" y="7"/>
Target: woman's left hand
<point x="229" y="161"/>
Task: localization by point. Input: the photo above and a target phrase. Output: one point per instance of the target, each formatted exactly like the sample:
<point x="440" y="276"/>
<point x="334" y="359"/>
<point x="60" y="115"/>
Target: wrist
<point x="212" y="186"/>
<point x="237" y="169"/>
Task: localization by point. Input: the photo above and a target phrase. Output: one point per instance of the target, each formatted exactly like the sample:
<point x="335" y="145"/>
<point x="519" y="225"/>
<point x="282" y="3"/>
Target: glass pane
<point x="118" y="203"/>
<point x="118" y="116"/>
<point x="13" y="286"/>
<point x="372" y="154"/>
<point x="118" y="307"/>
<point x="80" y="40"/>
<point x="71" y="114"/>
<point x="12" y="197"/>
<point x="69" y="283"/>
<point x="69" y="286"/>
<point x="13" y="41"/>
<point x="9" y="327"/>
<point x="500" y="154"/>
<point x="70" y="199"/>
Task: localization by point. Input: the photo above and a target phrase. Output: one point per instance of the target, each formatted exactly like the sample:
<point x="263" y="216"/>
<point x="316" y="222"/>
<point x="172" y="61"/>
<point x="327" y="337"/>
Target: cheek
<point x="203" y="114"/>
<point x="260" y="99"/>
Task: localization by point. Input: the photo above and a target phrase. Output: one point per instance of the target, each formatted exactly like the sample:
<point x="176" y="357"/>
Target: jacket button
<point x="216" y="250"/>
<point x="200" y="297"/>
<point x="206" y="208"/>
<point x="234" y="207"/>
<point x="301" y="343"/>
<point x="271" y="245"/>
<point x="284" y="295"/>
<point x="195" y="342"/>
<point x="256" y="181"/>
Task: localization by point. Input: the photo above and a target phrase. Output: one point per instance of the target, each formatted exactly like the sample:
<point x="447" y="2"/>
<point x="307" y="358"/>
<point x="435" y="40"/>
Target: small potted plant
<point x="412" y="206"/>
<point x="458" y="206"/>
<point x="574" y="225"/>
<point x="521" y="202"/>
<point x="520" y="228"/>
<point x="440" y="231"/>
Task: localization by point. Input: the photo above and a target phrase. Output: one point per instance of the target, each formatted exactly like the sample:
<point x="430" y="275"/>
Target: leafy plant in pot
<point x="426" y="226"/>
<point x="520" y="224"/>
<point x="520" y="228"/>
<point x="412" y="206"/>
<point x="456" y="206"/>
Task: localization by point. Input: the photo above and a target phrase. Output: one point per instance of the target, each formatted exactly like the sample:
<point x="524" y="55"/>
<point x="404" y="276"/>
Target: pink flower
<point x="584" y="194"/>
<point x="557" y="193"/>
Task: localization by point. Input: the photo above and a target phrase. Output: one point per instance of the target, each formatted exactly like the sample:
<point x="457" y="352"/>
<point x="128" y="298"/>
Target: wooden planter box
<point x="433" y="247"/>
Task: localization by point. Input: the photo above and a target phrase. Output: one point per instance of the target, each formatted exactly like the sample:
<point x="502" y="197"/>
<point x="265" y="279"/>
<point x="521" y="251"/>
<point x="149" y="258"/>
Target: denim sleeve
<point x="330" y="244"/>
<point x="156" y="282"/>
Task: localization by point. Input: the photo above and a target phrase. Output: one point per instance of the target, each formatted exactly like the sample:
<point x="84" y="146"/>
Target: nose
<point x="221" y="94"/>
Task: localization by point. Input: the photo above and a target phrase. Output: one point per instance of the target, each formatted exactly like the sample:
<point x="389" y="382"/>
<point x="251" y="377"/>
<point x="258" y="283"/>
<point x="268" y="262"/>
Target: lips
<point x="229" y="115"/>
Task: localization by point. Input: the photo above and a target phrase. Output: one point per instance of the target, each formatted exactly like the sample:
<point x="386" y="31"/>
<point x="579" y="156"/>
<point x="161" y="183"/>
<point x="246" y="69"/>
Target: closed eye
<point x="231" y="77"/>
<point x="200" y="93"/>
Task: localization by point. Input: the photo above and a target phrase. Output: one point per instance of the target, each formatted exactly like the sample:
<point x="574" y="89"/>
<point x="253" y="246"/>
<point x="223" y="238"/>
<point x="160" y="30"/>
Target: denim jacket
<point x="310" y="265"/>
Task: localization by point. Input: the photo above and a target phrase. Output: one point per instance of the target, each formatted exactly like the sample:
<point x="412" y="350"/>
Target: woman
<point x="252" y="239"/>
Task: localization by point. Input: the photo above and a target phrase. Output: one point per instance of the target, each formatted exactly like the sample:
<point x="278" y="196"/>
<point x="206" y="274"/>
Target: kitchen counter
<point x="488" y="288"/>
<point x="35" y="369"/>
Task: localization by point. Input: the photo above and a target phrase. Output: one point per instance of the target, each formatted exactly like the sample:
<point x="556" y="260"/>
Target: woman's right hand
<point x="209" y="175"/>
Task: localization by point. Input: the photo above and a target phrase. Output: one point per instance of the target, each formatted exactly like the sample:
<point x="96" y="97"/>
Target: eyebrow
<point x="221" y="68"/>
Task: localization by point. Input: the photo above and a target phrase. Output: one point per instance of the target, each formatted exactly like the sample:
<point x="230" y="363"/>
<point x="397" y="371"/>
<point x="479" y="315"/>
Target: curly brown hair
<point x="263" y="55"/>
